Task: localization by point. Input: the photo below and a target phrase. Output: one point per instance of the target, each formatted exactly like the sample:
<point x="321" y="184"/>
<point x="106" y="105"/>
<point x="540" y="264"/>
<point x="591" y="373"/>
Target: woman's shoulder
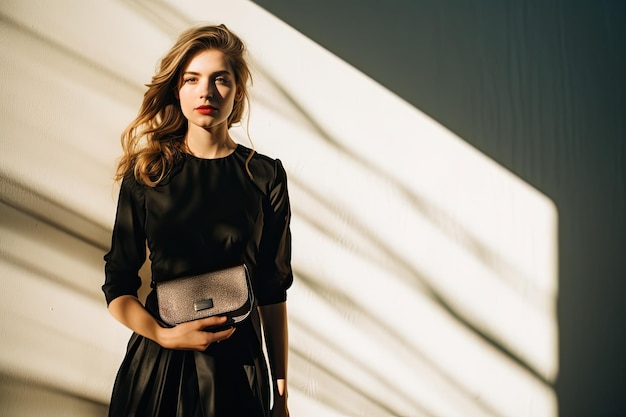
<point x="264" y="165"/>
<point x="131" y="189"/>
<point x="265" y="170"/>
<point x="132" y="183"/>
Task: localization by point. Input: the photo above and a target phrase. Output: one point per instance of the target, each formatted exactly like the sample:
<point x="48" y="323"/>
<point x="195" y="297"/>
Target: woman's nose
<point x="208" y="90"/>
<point x="205" y="90"/>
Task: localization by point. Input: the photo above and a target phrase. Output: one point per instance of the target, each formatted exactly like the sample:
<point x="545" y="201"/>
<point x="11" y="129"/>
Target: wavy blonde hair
<point x="154" y="140"/>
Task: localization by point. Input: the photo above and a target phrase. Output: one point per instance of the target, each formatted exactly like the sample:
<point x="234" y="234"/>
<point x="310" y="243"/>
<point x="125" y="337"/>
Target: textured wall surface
<point x="427" y="274"/>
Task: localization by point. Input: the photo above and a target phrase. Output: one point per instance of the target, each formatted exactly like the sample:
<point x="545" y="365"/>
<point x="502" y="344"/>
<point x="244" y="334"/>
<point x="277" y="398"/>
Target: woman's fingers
<point x="209" y="322"/>
<point x="217" y="336"/>
<point x="224" y="334"/>
<point x="193" y="336"/>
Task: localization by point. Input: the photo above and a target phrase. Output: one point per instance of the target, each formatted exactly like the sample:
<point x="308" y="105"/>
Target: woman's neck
<point x="209" y="144"/>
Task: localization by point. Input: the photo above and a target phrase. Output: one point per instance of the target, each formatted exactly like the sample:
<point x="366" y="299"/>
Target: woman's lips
<point x="205" y="109"/>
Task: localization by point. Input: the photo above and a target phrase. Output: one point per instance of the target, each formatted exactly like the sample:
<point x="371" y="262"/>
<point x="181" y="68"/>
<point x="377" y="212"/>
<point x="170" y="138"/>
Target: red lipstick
<point x="205" y="109"/>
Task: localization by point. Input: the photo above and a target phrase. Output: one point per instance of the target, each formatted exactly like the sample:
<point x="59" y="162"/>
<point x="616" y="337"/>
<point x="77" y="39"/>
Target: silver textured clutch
<point x="226" y="292"/>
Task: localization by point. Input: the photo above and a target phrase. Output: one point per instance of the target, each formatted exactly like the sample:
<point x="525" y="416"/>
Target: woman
<point x="201" y="202"/>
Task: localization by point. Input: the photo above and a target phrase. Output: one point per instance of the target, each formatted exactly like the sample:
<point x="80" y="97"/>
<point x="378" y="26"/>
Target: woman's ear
<point x="239" y="95"/>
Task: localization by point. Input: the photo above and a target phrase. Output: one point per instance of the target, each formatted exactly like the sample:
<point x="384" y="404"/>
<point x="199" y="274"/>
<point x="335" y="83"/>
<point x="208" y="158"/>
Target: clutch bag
<point x="227" y="292"/>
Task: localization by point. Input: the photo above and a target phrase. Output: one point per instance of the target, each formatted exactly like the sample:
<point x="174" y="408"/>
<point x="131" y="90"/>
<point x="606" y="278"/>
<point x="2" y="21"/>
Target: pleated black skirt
<point x="157" y="382"/>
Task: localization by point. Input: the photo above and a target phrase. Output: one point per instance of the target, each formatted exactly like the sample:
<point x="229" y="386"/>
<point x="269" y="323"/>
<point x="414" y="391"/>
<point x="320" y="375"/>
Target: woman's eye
<point x="221" y="80"/>
<point x="189" y="80"/>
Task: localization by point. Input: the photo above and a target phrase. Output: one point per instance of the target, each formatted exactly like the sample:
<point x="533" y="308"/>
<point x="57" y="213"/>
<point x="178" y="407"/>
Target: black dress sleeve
<point x="273" y="273"/>
<point x="128" y="243"/>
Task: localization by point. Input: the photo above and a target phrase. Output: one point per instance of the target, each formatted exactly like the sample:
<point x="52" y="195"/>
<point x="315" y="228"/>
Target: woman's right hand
<point x="192" y="336"/>
<point x="189" y="336"/>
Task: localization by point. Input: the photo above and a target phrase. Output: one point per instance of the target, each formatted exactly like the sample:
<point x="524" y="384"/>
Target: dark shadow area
<point x="538" y="86"/>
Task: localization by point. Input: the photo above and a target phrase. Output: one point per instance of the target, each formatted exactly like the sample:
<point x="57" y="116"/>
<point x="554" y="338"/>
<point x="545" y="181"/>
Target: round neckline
<point x="220" y="158"/>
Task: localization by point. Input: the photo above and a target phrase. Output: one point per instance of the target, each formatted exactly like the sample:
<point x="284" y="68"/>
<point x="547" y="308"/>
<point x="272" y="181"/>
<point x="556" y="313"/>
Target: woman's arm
<point x="274" y="318"/>
<point x="129" y="311"/>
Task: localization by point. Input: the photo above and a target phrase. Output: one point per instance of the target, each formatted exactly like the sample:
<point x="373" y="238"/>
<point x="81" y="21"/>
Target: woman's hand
<point x="188" y="336"/>
<point x="192" y="336"/>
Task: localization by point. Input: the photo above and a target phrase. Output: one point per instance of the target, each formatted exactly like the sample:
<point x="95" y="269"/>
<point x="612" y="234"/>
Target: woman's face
<point x="208" y="90"/>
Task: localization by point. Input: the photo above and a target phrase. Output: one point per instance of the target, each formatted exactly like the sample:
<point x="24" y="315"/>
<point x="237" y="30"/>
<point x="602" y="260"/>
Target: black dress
<point x="207" y="214"/>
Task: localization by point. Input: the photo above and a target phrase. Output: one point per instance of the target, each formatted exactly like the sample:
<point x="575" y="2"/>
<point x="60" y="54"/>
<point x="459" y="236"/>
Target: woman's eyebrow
<point x="220" y="72"/>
